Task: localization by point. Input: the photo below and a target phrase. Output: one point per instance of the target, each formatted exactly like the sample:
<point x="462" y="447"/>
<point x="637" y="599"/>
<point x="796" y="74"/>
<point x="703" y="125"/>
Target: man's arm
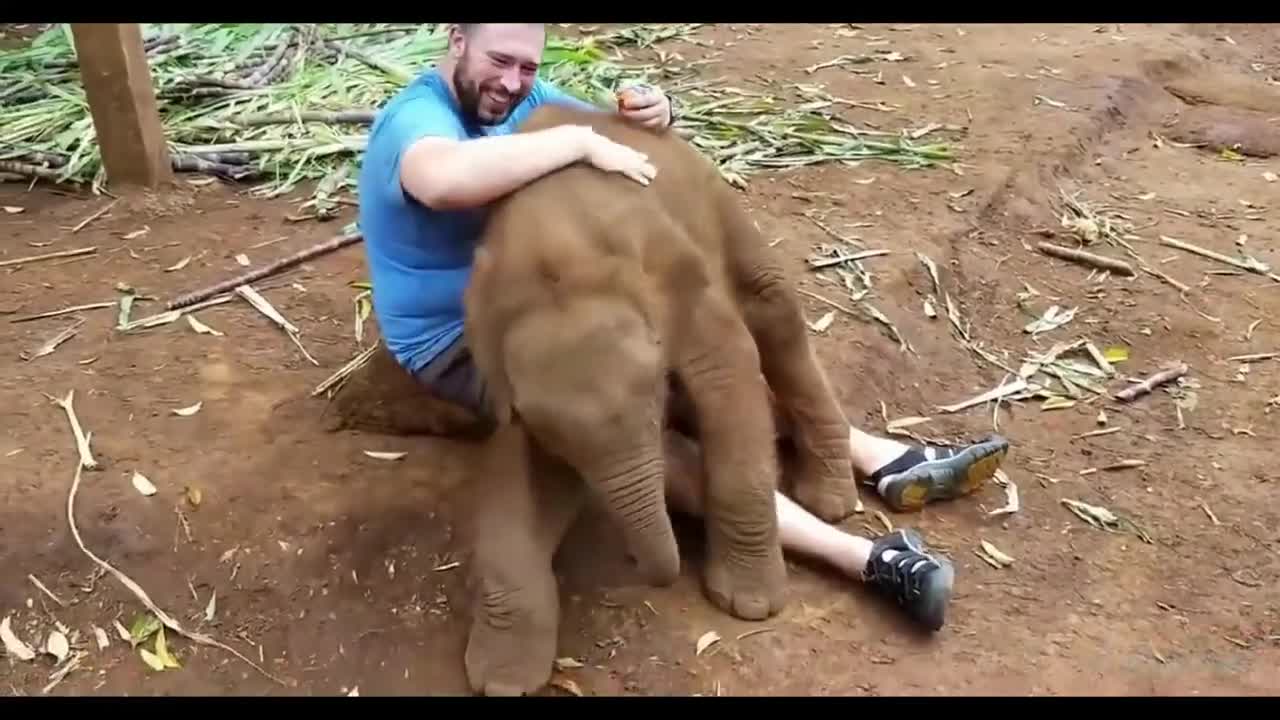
<point x="448" y="174"/>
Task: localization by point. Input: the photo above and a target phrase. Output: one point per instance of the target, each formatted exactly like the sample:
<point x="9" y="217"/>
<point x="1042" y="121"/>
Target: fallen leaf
<point x="194" y="496"/>
<point x="162" y="651"/>
<point x="908" y="81"/>
<point x="144" y="626"/>
<point x="1270" y="176"/>
<point x="142" y="484"/>
<point x="12" y="645"/>
<point x="993" y="556"/>
<point x="1147" y="196"/>
<point x="178" y="265"/>
<point x="1048" y="101"/>
<point x="123" y="632"/>
<point x="152" y="661"/>
<point x="189" y="410"/>
<point x="212" y="607"/>
<point x="137" y="233"/>
<point x="708" y="639"/>
<point x="385" y="455"/>
<point x="355" y="692"/>
<point x="57" y="645"/>
<point x="566" y="685"/>
<point x="243" y="259"/>
<point x="201" y="327"/>
<point x="823" y="323"/>
<point x="101" y="636"/>
<point x="1054" y="317"/>
<point x="13" y="209"/>
<point x="568" y="663"/>
<point x="1116" y="354"/>
<point x="1057" y="402"/>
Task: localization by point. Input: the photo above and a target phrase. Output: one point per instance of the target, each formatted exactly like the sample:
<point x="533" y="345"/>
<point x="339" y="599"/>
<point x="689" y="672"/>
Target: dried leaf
<point x="178" y="265"/>
<point x="189" y="410"/>
<point x="1011" y="504"/>
<point x="13" y="209"/>
<point x="142" y="484"/>
<point x="194" y="496"/>
<point x="152" y="661"/>
<point x="908" y="81"/>
<point x="101" y="636"/>
<point x="212" y="607"/>
<point x="137" y="233"/>
<point x="566" y="685"/>
<point x="1053" y="318"/>
<point x="1147" y="196"/>
<point x="1048" y="101"/>
<point x="385" y="455"/>
<point x="708" y="639"/>
<point x="993" y="556"/>
<point x="567" y="663"/>
<point x="1057" y="402"/>
<point x="242" y="259"/>
<point x="14" y="646"/>
<point x="1270" y="176"/>
<point x="123" y="632"/>
<point x="929" y="310"/>
<point x="162" y="651"/>
<point x="57" y="645"/>
<point x="354" y="692"/>
<point x="823" y="323"/>
<point x="201" y="327"/>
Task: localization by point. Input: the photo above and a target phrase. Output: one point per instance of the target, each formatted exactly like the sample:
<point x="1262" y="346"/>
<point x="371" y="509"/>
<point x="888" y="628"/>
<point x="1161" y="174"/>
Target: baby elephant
<point x="588" y="291"/>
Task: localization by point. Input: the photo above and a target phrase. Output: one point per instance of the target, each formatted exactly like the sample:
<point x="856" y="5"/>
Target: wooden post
<point x="117" y="85"/>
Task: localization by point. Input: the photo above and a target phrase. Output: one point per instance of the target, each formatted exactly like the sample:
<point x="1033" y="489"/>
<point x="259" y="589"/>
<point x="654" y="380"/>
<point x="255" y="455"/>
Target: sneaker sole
<point x="951" y="477"/>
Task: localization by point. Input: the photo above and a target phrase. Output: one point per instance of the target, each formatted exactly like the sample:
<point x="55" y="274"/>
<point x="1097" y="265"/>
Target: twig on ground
<point x="81" y="225"/>
<point x="36" y="581"/>
<point x="1008" y="389"/>
<point x="87" y="460"/>
<point x="1133" y="392"/>
<point x="271" y="269"/>
<point x="1085" y="258"/>
<point x="1251" y="265"/>
<point x="63" y="311"/>
<point x="48" y="256"/>
<point x="1254" y="357"/>
<point x="52" y="343"/>
<point x="141" y="594"/>
<point x="345" y="371"/>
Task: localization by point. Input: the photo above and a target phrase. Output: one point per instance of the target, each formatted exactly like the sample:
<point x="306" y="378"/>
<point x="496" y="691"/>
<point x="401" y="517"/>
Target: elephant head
<point x="586" y="376"/>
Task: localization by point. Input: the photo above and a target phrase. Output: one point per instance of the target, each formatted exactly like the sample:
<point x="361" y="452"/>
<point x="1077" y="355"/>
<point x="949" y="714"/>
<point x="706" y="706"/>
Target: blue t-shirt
<point x="420" y="259"/>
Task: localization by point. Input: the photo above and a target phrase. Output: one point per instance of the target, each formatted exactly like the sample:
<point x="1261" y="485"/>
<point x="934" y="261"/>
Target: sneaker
<point x="917" y="580"/>
<point x="920" y="476"/>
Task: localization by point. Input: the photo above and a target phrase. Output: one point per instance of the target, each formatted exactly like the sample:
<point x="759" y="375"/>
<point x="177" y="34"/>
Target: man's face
<point x="497" y="64"/>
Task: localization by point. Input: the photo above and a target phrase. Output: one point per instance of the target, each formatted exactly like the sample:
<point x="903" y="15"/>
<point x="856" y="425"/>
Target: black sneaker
<point x="917" y="580"/>
<point x="931" y="473"/>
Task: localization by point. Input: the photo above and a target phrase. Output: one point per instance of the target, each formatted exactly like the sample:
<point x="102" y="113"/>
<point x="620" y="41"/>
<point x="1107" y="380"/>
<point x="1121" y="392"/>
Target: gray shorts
<point x="453" y="377"/>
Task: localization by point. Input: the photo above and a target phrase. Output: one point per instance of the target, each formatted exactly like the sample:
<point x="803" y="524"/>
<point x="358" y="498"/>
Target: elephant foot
<point x="832" y="497"/>
<point x="512" y="647"/>
<point x="748" y="589"/>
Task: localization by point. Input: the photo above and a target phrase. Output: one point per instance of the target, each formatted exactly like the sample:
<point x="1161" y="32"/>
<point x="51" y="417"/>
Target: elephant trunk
<point x="634" y="493"/>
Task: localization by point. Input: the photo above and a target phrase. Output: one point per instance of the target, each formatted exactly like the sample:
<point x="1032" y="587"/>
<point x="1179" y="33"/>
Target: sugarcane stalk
<point x="28" y="170"/>
<point x="327" y="117"/>
<point x="195" y="163"/>
<point x="265" y="271"/>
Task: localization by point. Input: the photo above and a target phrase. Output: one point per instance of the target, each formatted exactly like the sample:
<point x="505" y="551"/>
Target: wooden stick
<point x="1197" y="250"/>
<point x="141" y="594"/>
<point x="1182" y="287"/>
<point x="1085" y="258"/>
<point x="99" y="213"/>
<point x="1133" y="392"/>
<point x="64" y="311"/>
<point x="275" y="267"/>
<point x="1254" y="357"/>
<point x="67" y="404"/>
<point x="48" y="256"/>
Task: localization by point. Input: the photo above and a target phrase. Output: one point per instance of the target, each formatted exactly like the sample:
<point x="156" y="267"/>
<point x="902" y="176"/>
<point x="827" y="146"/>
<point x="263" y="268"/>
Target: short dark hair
<point x="470" y="28"/>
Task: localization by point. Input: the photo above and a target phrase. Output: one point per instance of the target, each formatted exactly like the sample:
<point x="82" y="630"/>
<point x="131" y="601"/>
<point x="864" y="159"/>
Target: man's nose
<point x="511" y="81"/>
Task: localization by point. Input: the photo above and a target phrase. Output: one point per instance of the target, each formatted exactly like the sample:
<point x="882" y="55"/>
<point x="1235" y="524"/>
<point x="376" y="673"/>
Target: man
<point x="444" y="148"/>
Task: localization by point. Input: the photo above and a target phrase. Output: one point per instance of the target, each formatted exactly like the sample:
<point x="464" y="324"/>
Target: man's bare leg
<point x="898" y="562"/>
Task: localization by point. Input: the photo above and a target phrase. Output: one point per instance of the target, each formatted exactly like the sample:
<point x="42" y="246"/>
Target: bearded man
<point x="444" y="148"/>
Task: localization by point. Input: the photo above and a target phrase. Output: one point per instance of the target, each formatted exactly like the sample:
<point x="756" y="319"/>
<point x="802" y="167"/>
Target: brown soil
<point x="332" y="566"/>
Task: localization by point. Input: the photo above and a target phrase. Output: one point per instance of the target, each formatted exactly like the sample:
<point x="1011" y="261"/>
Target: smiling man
<point x="445" y="147"/>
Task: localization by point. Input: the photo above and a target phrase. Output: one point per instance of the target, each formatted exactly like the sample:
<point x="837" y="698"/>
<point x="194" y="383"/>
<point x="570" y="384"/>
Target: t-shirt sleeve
<point x="400" y="128"/>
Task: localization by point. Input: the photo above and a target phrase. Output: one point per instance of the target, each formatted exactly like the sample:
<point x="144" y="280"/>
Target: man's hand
<point x="646" y="106"/>
<point x="610" y="156"/>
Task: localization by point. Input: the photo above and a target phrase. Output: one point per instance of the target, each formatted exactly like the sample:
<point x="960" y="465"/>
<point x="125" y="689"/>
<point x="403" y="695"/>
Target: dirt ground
<point x="336" y="570"/>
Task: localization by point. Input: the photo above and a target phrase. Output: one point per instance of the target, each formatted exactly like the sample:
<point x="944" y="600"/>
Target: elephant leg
<point x="825" y="483"/>
<point x="523" y="505"/>
<point x="719" y="365"/>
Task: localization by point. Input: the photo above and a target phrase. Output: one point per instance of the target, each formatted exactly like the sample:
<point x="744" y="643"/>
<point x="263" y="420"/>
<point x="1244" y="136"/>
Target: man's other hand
<point x="646" y="106"/>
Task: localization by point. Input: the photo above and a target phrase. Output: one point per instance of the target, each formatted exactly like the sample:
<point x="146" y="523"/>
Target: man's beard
<point x="470" y="94"/>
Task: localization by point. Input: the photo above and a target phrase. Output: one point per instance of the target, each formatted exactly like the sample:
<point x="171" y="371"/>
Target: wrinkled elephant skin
<point x="588" y="290"/>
